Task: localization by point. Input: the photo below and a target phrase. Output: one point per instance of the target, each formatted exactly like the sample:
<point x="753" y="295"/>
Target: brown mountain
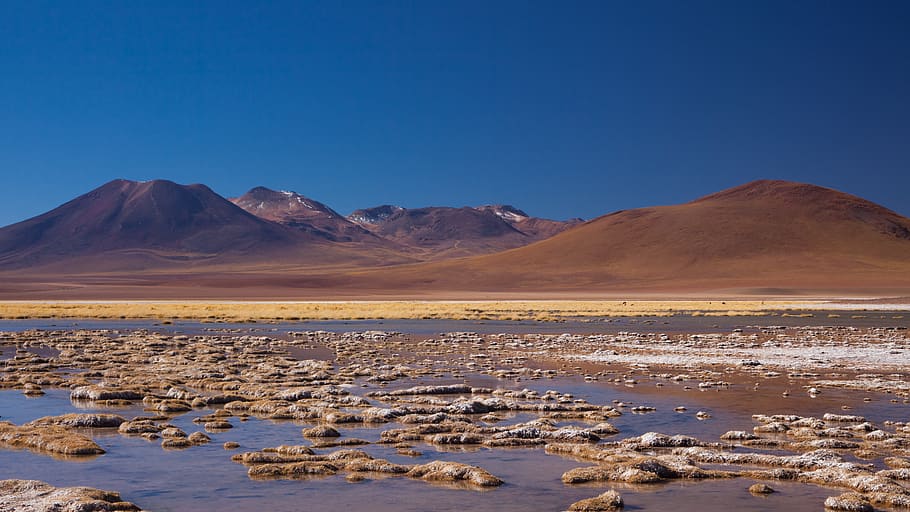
<point x="146" y="225"/>
<point x="535" y="227"/>
<point x="373" y="217"/>
<point x="445" y="232"/>
<point x="762" y="235"/>
<point x="302" y="213"/>
<point x="163" y="240"/>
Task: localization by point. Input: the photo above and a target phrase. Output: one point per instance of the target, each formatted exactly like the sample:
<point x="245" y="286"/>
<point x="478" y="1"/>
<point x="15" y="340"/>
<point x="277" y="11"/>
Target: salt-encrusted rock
<point x="342" y="417"/>
<point x="523" y="432"/>
<point x="379" y="414"/>
<point x="36" y="496"/>
<point x="574" y="435"/>
<point x="453" y="389"/>
<point x="878" y="435"/>
<point x="95" y="392"/>
<point x="81" y="421"/>
<point x="292" y="470"/>
<point x="47" y="438"/>
<point x="658" y="440"/>
<point x="296" y="449"/>
<point x="760" y="489"/>
<point x="604" y="429"/>
<point x="843" y="418"/>
<point x="172" y="432"/>
<point x="897" y="462"/>
<point x="738" y="435"/>
<point x="217" y="425"/>
<point x="445" y="471"/>
<point x="630" y="475"/>
<point x="321" y="431"/>
<point x="32" y="389"/>
<point x="470" y="407"/>
<point x="168" y="406"/>
<point x="826" y="444"/>
<point x="773" y="427"/>
<point x="457" y="438"/>
<point x="641" y="470"/>
<point x="138" y="427"/>
<point x="176" y="443"/>
<point x="849" y="502"/>
<point x="376" y="466"/>
<point x="610" y="500"/>
<point x="294" y="394"/>
<point x="198" y="438"/>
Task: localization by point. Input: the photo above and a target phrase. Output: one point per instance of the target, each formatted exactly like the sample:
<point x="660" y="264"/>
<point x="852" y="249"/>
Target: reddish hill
<point x="534" y="227"/>
<point x="760" y="235"/>
<point x="302" y="213"/>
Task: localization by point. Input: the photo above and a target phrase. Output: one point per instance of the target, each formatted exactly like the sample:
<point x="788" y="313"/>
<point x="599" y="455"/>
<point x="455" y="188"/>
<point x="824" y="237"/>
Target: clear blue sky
<point x="561" y="108"/>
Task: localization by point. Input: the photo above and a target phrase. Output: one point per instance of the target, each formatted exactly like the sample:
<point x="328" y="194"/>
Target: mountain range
<point x="763" y="237"/>
<point x="129" y="225"/>
<point x="424" y="233"/>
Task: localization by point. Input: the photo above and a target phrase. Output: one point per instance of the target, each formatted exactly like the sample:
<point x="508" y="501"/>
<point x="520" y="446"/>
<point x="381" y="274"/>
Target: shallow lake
<point x="204" y="478"/>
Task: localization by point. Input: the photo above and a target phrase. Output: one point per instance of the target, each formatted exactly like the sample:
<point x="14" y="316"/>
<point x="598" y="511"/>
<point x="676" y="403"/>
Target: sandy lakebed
<point x="690" y="412"/>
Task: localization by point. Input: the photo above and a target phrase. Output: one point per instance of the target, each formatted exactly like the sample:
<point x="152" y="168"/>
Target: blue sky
<point x="564" y="109"/>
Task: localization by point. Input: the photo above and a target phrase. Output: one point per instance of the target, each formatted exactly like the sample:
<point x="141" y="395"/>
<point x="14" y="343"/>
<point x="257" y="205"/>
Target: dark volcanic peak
<point x="279" y="205"/>
<point x="505" y="211"/>
<point x="302" y="213"/>
<point x="535" y="227"/>
<point x="438" y="223"/>
<point x="442" y="231"/>
<point x="374" y="215"/>
<point x="458" y="231"/>
<point x="159" y="218"/>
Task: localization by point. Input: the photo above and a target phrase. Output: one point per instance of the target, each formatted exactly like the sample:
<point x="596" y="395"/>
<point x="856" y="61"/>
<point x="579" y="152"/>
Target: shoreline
<point x="510" y="310"/>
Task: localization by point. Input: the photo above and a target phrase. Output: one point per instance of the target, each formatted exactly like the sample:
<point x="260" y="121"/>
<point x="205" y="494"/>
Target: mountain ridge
<point x="763" y="235"/>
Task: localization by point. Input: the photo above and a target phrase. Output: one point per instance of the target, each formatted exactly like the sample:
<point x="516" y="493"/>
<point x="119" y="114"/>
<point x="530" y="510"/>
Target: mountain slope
<point x="535" y="227"/>
<point x="128" y="224"/>
<point x="305" y="214"/>
<point x="445" y="232"/>
<point x="373" y="217"/>
<point x="762" y="234"/>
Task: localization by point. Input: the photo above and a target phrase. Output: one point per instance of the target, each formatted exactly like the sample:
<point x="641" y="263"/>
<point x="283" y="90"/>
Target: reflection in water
<point x="9" y="351"/>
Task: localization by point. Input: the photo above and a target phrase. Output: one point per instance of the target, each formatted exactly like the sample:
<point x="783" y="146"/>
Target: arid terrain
<point x="746" y="348"/>
<point x="240" y="311"/>
<point x="504" y="256"/>
<point x="160" y="240"/>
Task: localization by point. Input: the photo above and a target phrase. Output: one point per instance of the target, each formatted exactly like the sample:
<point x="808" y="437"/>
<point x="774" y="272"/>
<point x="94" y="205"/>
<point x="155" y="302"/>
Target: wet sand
<point x="204" y="477"/>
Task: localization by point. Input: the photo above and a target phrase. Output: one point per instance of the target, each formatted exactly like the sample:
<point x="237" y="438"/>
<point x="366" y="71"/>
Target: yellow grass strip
<point x="293" y="311"/>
